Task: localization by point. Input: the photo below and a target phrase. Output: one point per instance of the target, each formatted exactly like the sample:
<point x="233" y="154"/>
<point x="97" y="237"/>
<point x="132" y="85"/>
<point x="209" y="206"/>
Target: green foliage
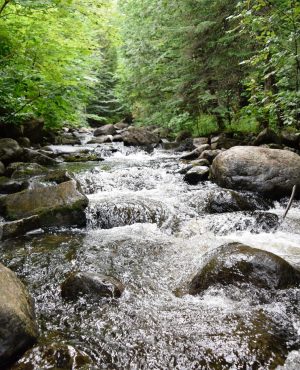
<point x="50" y="59"/>
<point x="274" y="78"/>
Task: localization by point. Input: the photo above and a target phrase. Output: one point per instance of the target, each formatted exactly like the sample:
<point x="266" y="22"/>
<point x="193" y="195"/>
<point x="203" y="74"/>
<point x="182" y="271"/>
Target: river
<point x="149" y="228"/>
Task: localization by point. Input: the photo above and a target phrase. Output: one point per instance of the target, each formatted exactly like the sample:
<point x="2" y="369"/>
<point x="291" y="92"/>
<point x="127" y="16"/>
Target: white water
<point x="149" y="228"/>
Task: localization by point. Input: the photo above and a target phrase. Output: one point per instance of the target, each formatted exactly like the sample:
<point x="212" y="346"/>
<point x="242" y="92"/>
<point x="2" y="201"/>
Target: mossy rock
<point x="239" y="264"/>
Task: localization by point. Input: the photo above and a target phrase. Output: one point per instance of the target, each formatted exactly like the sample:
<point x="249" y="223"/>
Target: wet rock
<point x="105" y="130"/>
<point x="9" y="186"/>
<point x="139" y="136"/>
<point x="26" y="170"/>
<point x="18" y="329"/>
<point x="196" y="152"/>
<point x="10" y="150"/>
<point x="56" y="205"/>
<point x="34" y="156"/>
<point x="53" y="356"/>
<point x="267" y="136"/>
<point x="196" y="174"/>
<point x="91" y="284"/>
<point x="101" y="139"/>
<point x="2" y="169"/>
<point x="232" y="201"/>
<point x="13" y="229"/>
<point x="210" y="155"/>
<point x="270" y="172"/>
<point x="122" y="211"/>
<point x="239" y="264"/>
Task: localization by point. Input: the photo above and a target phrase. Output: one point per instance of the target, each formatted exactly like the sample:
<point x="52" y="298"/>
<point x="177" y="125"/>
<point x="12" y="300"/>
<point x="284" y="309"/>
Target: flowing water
<point x="149" y="229"/>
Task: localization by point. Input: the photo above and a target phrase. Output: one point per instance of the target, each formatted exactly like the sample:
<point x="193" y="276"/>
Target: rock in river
<point x="271" y="172"/>
<point x="58" y="204"/>
<point x="18" y="329"/>
<point x="239" y="264"/>
<point x="92" y="284"/>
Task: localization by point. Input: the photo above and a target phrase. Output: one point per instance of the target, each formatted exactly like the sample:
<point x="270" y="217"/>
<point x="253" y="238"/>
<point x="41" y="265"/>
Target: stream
<point x="149" y="228"/>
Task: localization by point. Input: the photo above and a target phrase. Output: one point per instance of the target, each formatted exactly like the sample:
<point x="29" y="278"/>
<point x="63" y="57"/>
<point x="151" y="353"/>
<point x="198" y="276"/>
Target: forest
<point x="200" y="65"/>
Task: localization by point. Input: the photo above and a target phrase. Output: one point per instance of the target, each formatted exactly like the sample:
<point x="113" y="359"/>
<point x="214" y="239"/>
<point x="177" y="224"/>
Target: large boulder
<point x="105" y="130"/>
<point x="33" y="130"/>
<point x="239" y="264"/>
<point x="9" y="150"/>
<point x="91" y="284"/>
<point x="139" y="136"/>
<point x="271" y="172"/>
<point x="18" y="329"/>
<point x="56" y="205"/>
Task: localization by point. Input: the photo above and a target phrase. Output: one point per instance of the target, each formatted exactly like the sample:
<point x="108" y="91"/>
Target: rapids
<point x="148" y="228"/>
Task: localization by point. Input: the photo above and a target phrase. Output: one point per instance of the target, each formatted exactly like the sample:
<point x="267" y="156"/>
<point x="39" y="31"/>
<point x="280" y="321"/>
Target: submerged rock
<point x="239" y="264"/>
<point x="91" y="284"/>
<point x="53" y="356"/>
<point x="56" y="205"/>
<point x="231" y="201"/>
<point x="271" y="172"/>
<point x="18" y="329"/>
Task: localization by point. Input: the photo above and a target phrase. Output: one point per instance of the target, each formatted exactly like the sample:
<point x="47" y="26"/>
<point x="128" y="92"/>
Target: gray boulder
<point x="91" y="284"/>
<point x="239" y="264"/>
<point x="139" y="136"/>
<point x="18" y="329"/>
<point x="271" y="172"/>
<point x="210" y="155"/>
<point x="105" y="130"/>
<point x="9" y="150"/>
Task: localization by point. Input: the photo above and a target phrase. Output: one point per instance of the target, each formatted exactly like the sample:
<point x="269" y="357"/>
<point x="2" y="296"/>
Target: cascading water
<point x="149" y="229"/>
